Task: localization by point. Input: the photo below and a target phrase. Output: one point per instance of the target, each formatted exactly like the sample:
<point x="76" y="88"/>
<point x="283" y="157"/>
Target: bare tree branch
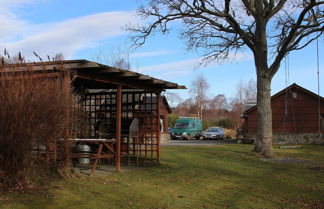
<point x="269" y="28"/>
<point x="297" y="32"/>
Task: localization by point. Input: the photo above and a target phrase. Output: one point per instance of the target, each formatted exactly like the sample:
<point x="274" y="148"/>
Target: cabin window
<point x="322" y="122"/>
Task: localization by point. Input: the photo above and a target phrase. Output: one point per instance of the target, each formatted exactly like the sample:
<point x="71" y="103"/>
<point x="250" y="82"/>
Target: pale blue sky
<point x="80" y="29"/>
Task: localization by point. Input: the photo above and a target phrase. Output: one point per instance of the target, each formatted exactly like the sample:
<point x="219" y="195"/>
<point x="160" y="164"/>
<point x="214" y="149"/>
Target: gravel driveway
<point x="194" y="142"/>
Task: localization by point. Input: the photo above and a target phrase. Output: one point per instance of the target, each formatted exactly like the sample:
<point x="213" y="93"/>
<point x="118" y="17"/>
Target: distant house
<point x="297" y="117"/>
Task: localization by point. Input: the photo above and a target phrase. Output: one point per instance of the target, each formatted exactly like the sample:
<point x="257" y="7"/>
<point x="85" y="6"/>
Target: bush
<point x="225" y="123"/>
<point x="172" y="120"/>
<point x="34" y="113"/>
<point x="207" y="123"/>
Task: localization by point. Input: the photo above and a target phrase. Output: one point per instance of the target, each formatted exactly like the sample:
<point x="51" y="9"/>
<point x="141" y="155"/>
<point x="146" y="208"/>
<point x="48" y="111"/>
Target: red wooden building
<point x="297" y="117"/>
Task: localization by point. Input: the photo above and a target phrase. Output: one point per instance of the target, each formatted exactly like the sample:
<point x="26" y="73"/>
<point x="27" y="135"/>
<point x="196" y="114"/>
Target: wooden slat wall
<point x="301" y="117"/>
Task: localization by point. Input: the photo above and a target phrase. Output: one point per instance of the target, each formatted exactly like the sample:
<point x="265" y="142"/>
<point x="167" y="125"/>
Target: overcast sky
<point x="82" y="29"/>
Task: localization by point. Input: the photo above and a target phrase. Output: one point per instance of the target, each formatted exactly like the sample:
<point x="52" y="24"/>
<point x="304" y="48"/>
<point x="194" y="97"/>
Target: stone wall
<point x="164" y="138"/>
<point x="309" y="138"/>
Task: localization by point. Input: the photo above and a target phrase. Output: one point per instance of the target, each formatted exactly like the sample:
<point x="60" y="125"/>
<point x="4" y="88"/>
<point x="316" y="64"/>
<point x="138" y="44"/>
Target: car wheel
<point x="199" y="137"/>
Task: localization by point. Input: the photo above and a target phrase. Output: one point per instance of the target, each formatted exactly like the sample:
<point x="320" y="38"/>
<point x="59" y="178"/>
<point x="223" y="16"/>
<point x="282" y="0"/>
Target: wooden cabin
<point x="165" y="111"/>
<point x="297" y="117"/>
<point x="123" y="112"/>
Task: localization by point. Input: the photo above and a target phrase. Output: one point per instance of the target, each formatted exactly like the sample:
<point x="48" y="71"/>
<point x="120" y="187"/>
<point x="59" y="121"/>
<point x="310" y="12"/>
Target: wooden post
<point x="66" y="86"/>
<point x="118" y="125"/>
<point x="68" y="149"/>
<point x="158" y="129"/>
<point x="94" y="166"/>
<point x="47" y="157"/>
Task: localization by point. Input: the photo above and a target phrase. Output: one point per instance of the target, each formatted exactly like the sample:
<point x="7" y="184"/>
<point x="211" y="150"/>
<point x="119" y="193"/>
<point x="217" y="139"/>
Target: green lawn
<point x="220" y="176"/>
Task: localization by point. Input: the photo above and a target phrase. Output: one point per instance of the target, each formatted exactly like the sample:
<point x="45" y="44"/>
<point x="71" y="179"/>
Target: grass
<point x="220" y="176"/>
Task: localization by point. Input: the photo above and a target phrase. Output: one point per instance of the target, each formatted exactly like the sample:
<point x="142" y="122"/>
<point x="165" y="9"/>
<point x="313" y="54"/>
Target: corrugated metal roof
<point x="92" y="74"/>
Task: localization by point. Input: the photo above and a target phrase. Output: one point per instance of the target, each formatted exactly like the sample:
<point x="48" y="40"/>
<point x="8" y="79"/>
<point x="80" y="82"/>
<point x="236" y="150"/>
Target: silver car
<point x="213" y="133"/>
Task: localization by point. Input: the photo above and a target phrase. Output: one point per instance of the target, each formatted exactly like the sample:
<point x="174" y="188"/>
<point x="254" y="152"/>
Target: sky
<point x="83" y="29"/>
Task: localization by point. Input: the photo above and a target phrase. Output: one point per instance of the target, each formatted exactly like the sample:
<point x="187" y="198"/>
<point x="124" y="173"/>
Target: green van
<point x="187" y="127"/>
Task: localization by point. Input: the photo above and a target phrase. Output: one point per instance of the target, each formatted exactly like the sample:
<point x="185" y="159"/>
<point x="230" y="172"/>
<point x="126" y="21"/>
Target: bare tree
<point x="115" y="57"/>
<point x="219" y="105"/>
<point x="236" y="108"/>
<point x="218" y="102"/>
<point x="246" y="91"/>
<point x="185" y="108"/>
<point x="198" y="89"/>
<point x="59" y="57"/>
<point x="173" y="98"/>
<point x="271" y="29"/>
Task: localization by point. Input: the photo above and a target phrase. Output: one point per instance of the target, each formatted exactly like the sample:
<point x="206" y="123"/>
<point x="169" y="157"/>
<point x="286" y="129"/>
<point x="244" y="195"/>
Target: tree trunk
<point x="263" y="143"/>
<point x="264" y="115"/>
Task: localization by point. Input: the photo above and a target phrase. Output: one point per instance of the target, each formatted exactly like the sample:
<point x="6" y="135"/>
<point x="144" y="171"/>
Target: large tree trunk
<point x="264" y="115"/>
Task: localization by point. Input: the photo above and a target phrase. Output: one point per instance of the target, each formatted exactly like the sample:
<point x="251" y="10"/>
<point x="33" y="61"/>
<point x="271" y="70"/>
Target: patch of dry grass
<point x="230" y="132"/>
